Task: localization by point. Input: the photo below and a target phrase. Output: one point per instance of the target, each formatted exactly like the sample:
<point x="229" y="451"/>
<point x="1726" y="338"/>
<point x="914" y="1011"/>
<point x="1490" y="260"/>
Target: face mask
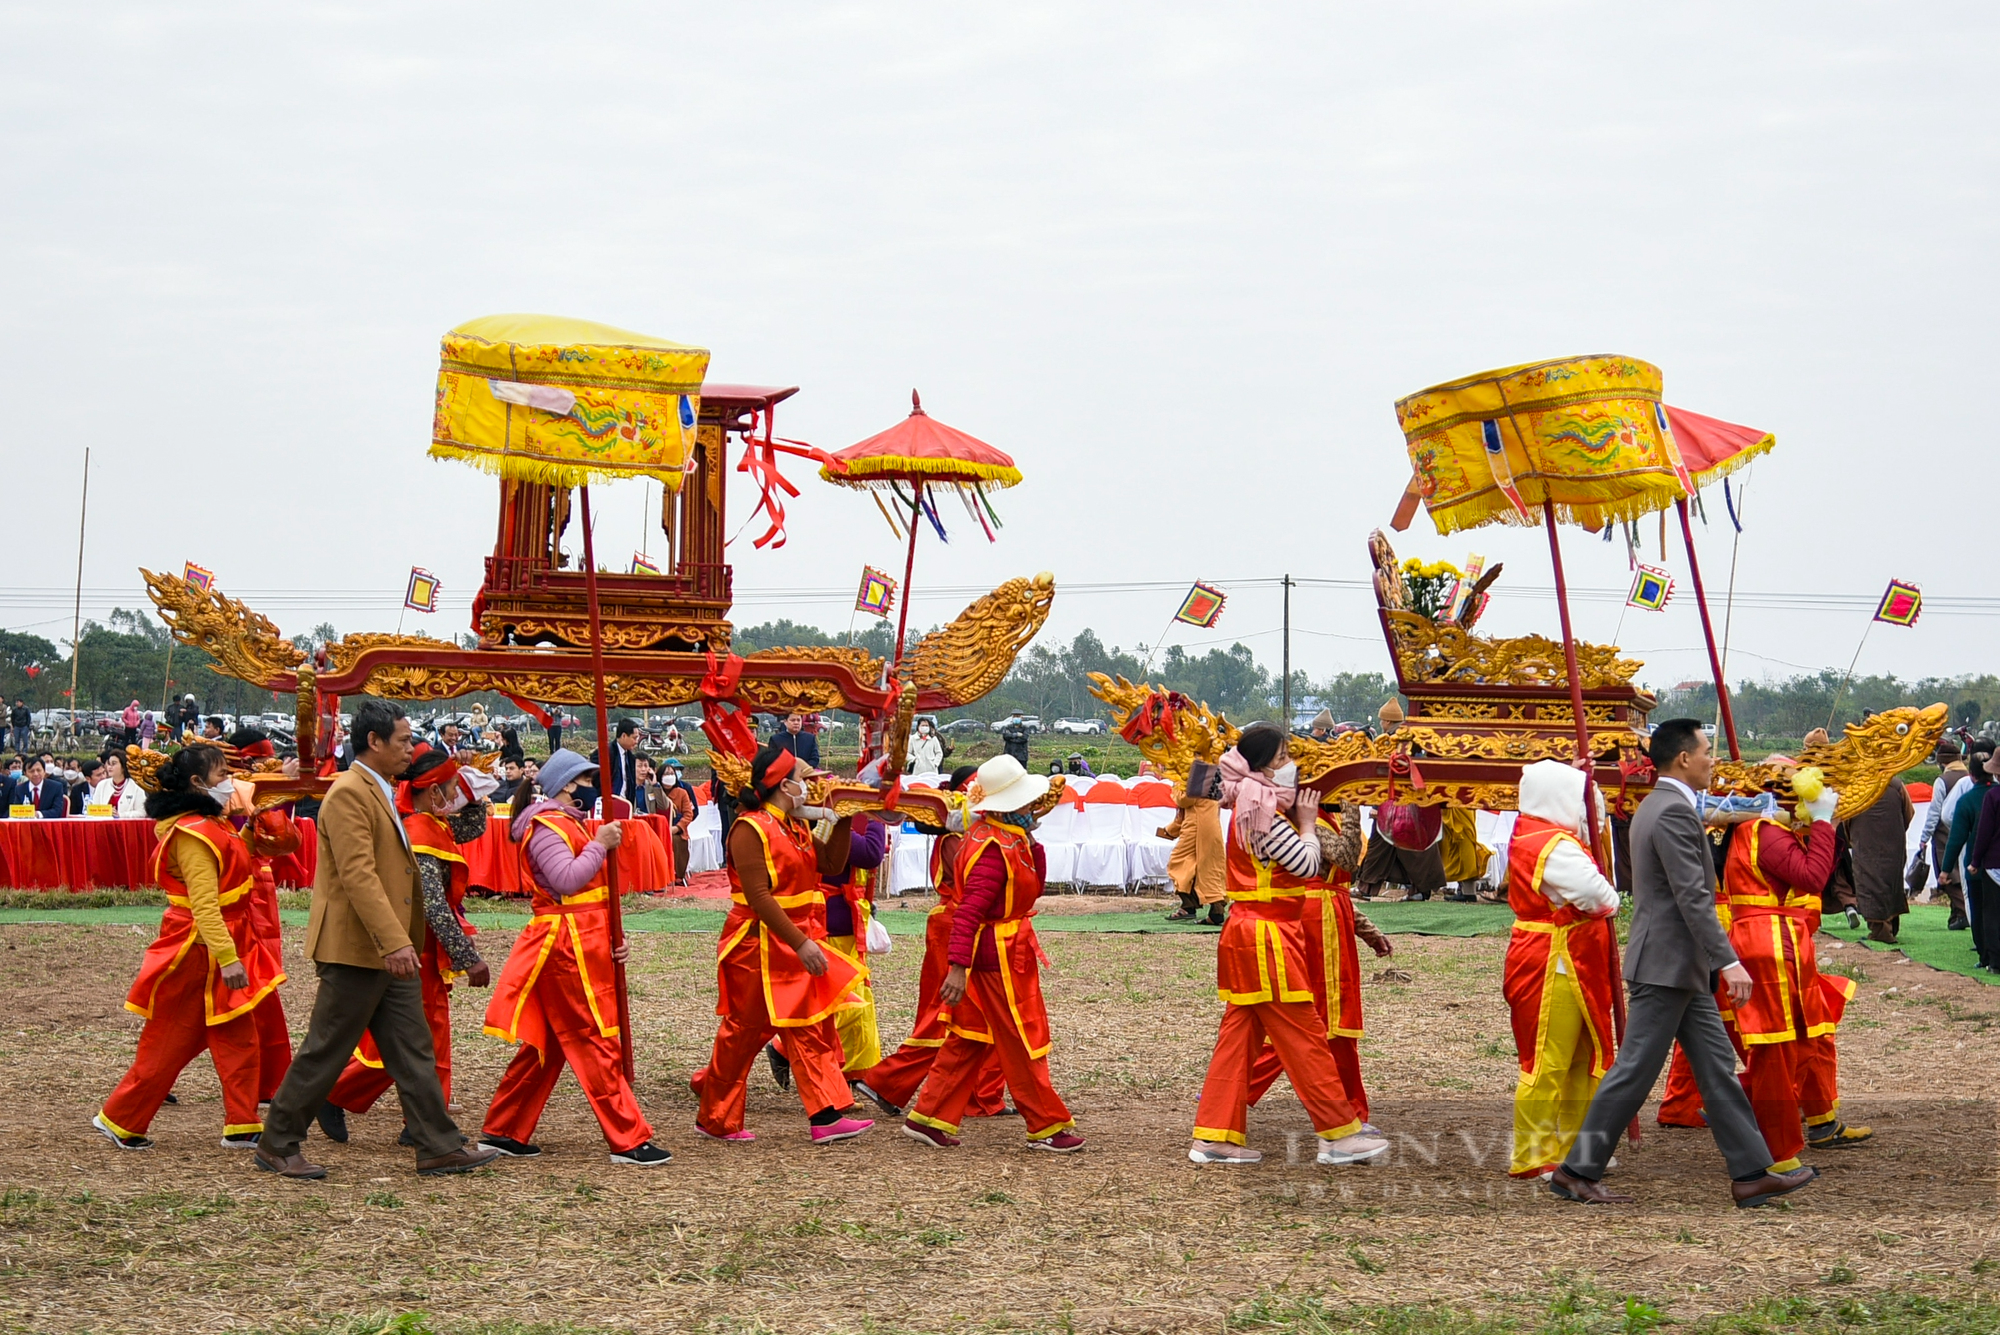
<point x="223" y="792"/>
<point x="1024" y="820"/>
<point x="1286" y="775"/>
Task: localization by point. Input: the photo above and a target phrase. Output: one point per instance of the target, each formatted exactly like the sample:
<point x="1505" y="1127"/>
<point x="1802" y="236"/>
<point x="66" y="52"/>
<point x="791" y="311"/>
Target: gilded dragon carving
<point x="1198" y="733"/>
<point x="243" y="643"/>
<point x="1428" y="651"/>
<point x="1858" y="766"/>
<point x="972" y="655"/>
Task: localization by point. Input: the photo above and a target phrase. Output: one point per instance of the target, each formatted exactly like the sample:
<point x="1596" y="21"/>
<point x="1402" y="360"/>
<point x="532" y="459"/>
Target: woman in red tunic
<point x="773" y="969"/>
<point x="208" y="968"/>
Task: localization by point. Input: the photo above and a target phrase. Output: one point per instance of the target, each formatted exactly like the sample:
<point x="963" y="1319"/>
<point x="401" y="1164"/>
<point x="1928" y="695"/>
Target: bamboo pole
<point x="604" y="762"/>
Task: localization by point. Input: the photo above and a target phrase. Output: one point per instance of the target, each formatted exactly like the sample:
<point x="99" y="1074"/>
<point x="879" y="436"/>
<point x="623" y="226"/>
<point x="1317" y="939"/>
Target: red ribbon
<point x="1155" y="714"/>
<point x="760" y="461"/>
<point x="532" y="710"/>
<point x="1400" y="763"/>
<point x="725" y="722"/>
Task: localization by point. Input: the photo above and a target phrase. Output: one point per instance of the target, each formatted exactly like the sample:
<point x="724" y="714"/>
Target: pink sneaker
<point x="737" y="1137"/>
<point x="931" y="1136"/>
<point x="847" y="1128"/>
<point x="1062" y="1142"/>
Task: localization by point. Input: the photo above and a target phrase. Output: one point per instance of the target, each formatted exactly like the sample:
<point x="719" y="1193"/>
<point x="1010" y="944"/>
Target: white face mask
<point x="223" y="792"/>
<point x="1286" y="775"/>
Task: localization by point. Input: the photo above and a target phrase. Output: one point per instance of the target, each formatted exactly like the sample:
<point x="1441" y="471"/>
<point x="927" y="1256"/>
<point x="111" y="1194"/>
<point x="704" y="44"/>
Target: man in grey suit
<point x="1676" y="951"/>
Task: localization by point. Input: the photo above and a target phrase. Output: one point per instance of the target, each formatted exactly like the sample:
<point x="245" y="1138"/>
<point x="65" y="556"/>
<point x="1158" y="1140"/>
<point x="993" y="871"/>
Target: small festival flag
<point x="423" y="592"/>
<point x="1461" y="592"/>
<point x="198" y="577"/>
<point x="878" y="593"/>
<point x="1652" y="587"/>
<point x="643" y="565"/>
<point x="1900" y="604"/>
<point x="1202" y="606"/>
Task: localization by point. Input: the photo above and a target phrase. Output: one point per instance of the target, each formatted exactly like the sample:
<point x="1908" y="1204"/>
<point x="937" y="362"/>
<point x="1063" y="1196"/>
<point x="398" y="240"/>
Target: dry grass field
<point x="880" y="1235"/>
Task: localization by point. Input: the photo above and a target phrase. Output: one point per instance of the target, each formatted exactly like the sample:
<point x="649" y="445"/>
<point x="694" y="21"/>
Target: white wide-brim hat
<point x="1005" y="785"/>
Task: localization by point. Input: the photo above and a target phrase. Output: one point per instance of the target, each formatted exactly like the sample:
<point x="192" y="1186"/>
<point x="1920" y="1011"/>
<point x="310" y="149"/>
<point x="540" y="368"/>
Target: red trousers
<point x="175" y="1036"/>
<point x="1346" y="1055"/>
<point x="1817" y="1075"/>
<point x="960" y="1071"/>
<point x="723" y="1084"/>
<point x="361" y="1084"/>
<point x="274" y="1046"/>
<point x="1771" y="1079"/>
<point x="598" y="1062"/>
<point x="898" y="1076"/>
<point x="1296" y="1032"/>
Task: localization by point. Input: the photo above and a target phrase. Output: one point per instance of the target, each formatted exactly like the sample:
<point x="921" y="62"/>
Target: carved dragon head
<point x="243" y="643"/>
<point x="973" y="654"/>
<point x="1197" y="733"/>
<point x="1859" y="765"/>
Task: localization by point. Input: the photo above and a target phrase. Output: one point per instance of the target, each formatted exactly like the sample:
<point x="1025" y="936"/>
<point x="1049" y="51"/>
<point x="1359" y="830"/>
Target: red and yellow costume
<point x="897" y="1077"/>
<point x="1770" y="906"/>
<point x="762" y="986"/>
<point x="1002" y="1016"/>
<point x="1264" y="972"/>
<point x="557" y="998"/>
<point x="1559" y="979"/>
<point x="1333" y="962"/>
<point x="206" y="872"/>
<point x="365" y="1080"/>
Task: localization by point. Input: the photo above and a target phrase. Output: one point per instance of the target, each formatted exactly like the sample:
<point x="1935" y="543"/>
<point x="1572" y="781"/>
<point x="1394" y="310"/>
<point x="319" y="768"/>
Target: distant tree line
<point x="1794" y="707"/>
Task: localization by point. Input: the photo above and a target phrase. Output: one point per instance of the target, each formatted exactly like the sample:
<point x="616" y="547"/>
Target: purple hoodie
<point x="555" y="868"/>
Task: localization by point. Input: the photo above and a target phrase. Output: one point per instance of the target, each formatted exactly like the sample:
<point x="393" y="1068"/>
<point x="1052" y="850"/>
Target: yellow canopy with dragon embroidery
<point x="549" y="399"/>
<point x="1588" y="433"/>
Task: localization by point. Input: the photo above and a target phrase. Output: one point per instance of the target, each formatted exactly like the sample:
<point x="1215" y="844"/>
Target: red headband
<point x="775" y="772"/>
<point x="431" y="778"/>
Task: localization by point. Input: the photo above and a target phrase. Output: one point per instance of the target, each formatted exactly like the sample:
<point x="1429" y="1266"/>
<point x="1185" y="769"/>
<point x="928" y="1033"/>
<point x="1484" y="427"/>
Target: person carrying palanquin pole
<point x="1332" y="926"/>
<point x="435" y="801"/>
<point x="557" y="995"/>
<point x="204" y="974"/>
<point x="774" y="970"/>
<point x="1561" y="974"/>
<point x="1261" y="969"/>
<point x="994" y="985"/>
<point x="894" y="1081"/>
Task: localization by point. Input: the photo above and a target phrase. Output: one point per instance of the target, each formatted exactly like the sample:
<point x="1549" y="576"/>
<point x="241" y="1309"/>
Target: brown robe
<point x="1878" y="839"/>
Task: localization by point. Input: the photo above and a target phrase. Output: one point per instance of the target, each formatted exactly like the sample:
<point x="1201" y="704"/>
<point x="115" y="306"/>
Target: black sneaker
<point x="244" y="1140"/>
<point x="647" y="1155"/>
<point x="1956" y="923"/>
<point x="332" y="1122"/>
<point x="513" y="1149"/>
<point x="405" y="1139"/>
<point x="122" y="1142"/>
<point x="781" y="1069"/>
<point x="171" y="1099"/>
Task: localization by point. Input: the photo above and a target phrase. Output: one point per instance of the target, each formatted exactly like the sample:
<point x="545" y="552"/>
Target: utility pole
<point x="1288" y="656"/>
<point x="76" y="626"/>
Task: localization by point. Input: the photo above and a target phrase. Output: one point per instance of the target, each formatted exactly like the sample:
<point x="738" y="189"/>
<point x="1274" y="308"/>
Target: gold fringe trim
<point x="1490" y="507"/>
<point x="1734" y="462"/>
<point x="523" y="468"/>
<point x="868" y="472"/>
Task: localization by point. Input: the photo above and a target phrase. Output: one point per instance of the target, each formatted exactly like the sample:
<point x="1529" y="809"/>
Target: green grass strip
<point x="1922" y="937"/>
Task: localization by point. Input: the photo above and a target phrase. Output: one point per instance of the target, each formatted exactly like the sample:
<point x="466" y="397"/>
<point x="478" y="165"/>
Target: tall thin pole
<point x="1569" y="662"/>
<point x="1708" y="632"/>
<point x="1850" y="675"/>
<point x="604" y="762"/>
<point x="909" y="568"/>
<point x="1286" y="695"/>
<point x="76" y="624"/>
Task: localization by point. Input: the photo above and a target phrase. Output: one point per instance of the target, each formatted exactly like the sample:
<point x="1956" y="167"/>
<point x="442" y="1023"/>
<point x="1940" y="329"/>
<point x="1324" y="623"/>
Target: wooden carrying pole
<point x="76" y="627"/>
<point x="1708" y="633"/>
<point x="605" y="761"/>
<point x="1575" y="677"/>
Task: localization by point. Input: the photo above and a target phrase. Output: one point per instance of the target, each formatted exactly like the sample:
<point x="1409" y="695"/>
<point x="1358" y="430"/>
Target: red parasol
<point x="922" y="452"/>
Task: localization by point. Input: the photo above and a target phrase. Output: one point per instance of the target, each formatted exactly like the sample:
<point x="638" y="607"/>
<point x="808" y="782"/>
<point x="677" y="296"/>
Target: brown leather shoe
<point x="1572" y="1188"/>
<point x="293" y="1165"/>
<point x="461" y="1160"/>
<point x="1750" y="1195"/>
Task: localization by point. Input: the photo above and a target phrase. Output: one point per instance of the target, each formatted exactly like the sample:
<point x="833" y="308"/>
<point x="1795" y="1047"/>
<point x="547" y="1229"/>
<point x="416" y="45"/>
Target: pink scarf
<point x="1256" y="799"/>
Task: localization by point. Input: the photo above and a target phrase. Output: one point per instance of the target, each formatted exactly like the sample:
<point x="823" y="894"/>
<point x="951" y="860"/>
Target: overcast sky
<point x="1178" y="260"/>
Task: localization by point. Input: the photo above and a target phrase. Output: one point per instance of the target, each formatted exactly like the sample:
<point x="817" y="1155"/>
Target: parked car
<point x="959" y="727"/>
<point x="1033" y="722"/>
<point x="1080" y="727"/>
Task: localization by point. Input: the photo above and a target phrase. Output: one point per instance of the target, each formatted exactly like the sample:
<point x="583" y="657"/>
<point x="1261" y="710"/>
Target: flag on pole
<point x="1202" y="606"/>
<point x="1652" y="588"/>
<point x="422" y="595"/>
<point x="878" y="593"/>
<point x="1901" y="603"/>
<point x="198" y="577"/>
<point x="643" y="565"/>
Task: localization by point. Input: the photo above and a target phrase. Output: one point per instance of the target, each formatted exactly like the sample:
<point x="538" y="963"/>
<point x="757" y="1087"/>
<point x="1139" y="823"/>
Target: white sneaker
<point x="1356" y="1148"/>
<point x="1216" y="1151"/>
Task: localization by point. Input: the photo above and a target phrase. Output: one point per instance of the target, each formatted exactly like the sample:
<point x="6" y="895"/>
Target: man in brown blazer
<point x="366" y="928"/>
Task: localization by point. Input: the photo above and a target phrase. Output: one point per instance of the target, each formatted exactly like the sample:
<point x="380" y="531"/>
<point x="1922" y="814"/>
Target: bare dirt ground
<point x="881" y="1234"/>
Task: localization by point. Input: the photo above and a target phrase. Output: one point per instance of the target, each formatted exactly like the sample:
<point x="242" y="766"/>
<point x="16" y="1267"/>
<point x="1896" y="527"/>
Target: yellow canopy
<point x="1588" y="433"/>
<point x="549" y="399"/>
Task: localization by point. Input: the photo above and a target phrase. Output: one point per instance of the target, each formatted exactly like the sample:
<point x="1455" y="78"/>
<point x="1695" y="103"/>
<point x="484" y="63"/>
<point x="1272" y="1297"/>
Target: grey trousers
<point x="351" y="1001"/>
<point x="1655" y="1017"/>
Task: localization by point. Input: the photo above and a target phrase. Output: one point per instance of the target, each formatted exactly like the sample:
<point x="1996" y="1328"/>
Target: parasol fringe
<point x="1736" y="462"/>
<point x="523" y="469"/>
<point x="1586" y="514"/>
<point x="862" y="472"/>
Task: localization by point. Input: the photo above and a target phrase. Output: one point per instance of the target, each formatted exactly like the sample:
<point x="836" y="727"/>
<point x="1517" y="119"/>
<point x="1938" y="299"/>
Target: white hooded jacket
<point x="1552" y="791"/>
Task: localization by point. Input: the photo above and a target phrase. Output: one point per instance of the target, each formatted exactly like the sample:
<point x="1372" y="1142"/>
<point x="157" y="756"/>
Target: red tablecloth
<point x="645" y="859"/>
<point x="80" y="854"/>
